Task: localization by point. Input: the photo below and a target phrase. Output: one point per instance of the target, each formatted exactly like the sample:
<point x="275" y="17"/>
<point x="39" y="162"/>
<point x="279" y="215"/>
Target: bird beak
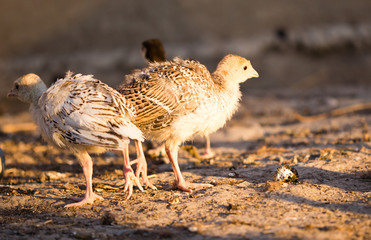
<point x="254" y="73"/>
<point x="12" y="93"/>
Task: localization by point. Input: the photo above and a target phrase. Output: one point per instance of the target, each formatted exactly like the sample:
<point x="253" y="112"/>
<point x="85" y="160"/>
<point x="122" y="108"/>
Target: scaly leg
<point x="87" y="167"/>
<point x="129" y="174"/>
<point x="208" y="153"/>
<point x="179" y="180"/>
<point x="141" y="164"/>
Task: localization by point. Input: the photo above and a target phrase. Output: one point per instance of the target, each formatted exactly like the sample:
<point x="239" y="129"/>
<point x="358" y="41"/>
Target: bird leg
<point x="141" y="164"/>
<point x="87" y="167"/>
<point x="208" y="153"/>
<point x="180" y="183"/>
<point x="129" y="174"/>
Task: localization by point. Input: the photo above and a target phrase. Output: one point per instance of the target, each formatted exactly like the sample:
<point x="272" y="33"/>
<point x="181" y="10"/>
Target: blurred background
<point x="294" y="45"/>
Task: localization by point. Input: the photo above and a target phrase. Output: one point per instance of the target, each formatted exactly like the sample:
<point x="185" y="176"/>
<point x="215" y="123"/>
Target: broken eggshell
<point x="286" y="174"/>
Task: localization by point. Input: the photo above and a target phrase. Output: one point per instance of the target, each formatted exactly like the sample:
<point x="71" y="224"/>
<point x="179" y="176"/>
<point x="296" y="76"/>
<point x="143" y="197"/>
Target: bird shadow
<point x="67" y="223"/>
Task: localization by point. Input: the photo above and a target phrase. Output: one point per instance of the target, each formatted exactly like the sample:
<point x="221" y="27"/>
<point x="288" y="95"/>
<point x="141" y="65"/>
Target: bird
<point x="82" y="114"/>
<point x="153" y="51"/>
<point x="177" y="99"/>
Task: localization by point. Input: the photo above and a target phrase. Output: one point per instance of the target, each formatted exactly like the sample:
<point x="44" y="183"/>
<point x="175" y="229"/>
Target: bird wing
<point x="164" y="91"/>
<point x="83" y="110"/>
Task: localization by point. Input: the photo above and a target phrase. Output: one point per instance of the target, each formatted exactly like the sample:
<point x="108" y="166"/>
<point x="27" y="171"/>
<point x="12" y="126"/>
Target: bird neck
<point x="221" y="78"/>
<point x="229" y="95"/>
<point x="36" y="94"/>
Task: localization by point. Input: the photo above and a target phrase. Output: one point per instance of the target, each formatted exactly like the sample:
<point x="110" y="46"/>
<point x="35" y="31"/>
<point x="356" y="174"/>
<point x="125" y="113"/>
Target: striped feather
<point x="82" y="110"/>
<point x="177" y="99"/>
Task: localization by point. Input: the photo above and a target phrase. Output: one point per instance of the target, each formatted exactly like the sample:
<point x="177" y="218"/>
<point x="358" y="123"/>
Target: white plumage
<point x="81" y="111"/>
<point x="82" y="114"/>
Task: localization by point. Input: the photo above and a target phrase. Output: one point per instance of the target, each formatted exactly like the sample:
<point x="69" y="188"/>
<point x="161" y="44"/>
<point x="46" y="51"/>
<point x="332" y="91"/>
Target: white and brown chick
<point x="177" y="99"/>
<point x="82" y="114"/>
<point x="153" y="51"/>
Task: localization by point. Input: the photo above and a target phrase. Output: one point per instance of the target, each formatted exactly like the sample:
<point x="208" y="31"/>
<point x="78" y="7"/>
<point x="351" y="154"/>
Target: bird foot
<point x="142" y="171"/>
<point x="129" y="178"/>
<point x="82" y="201"/>
<point x="187" y="186"/>
<point x="207" y="154"/>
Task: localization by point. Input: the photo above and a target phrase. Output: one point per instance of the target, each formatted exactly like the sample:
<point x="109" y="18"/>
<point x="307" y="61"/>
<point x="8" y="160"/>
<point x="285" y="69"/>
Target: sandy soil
<point x="331" y="200"/>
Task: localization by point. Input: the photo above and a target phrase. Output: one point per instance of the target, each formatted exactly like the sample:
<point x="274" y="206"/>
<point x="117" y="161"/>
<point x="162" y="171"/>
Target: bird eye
<point x="245" y="67"/>
<point x="16" y="86"/>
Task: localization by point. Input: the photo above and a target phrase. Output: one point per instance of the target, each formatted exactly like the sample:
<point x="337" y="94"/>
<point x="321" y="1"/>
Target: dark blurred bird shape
<point x="153" y="51"/>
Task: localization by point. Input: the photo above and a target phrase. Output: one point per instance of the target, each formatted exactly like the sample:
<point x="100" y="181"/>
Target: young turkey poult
<point x="82" y="114"/>
<point x="177" y="99"/>
<point x="153" y="51"/>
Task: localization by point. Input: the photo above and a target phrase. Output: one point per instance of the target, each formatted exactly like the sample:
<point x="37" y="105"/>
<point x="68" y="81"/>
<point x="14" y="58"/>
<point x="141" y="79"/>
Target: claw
<point x="141" y="165"/>
<point x="129" y="178"/>
<point x="142" y="171"/>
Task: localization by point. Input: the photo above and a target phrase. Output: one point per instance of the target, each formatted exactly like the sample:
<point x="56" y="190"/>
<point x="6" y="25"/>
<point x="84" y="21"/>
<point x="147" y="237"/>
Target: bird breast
<point x="211" y="115"/>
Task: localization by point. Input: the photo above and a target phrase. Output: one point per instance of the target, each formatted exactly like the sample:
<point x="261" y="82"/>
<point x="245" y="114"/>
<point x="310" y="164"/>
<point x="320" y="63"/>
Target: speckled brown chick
<point x="177" y="99"/>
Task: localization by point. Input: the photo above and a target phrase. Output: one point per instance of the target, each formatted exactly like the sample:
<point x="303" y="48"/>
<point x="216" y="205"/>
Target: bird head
<point x="27" y="88"/>
<point x="236" y="69"/>
<point x="153" y="51"/>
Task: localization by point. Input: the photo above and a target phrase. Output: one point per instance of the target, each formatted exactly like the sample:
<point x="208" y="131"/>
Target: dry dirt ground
<point x="331" y="200"/>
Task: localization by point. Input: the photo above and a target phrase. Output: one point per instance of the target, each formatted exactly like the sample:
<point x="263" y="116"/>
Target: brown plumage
<point x="176" y="99"/>
<point x="153" y="51"/>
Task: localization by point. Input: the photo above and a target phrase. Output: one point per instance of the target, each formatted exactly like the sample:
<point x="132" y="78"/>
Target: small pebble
<point x="306" y="157"/>
<point x="295" y="160"/>
<point x="174" y="200"/>
<point x="232" y="174"/>
<point x="193" y="229"/>
<point x="280" y="159"/>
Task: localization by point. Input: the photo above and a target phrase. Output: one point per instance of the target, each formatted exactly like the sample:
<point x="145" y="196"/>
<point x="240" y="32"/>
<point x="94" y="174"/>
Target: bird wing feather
<point x="83" y="110"/>
<point x="165" y="91"/>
